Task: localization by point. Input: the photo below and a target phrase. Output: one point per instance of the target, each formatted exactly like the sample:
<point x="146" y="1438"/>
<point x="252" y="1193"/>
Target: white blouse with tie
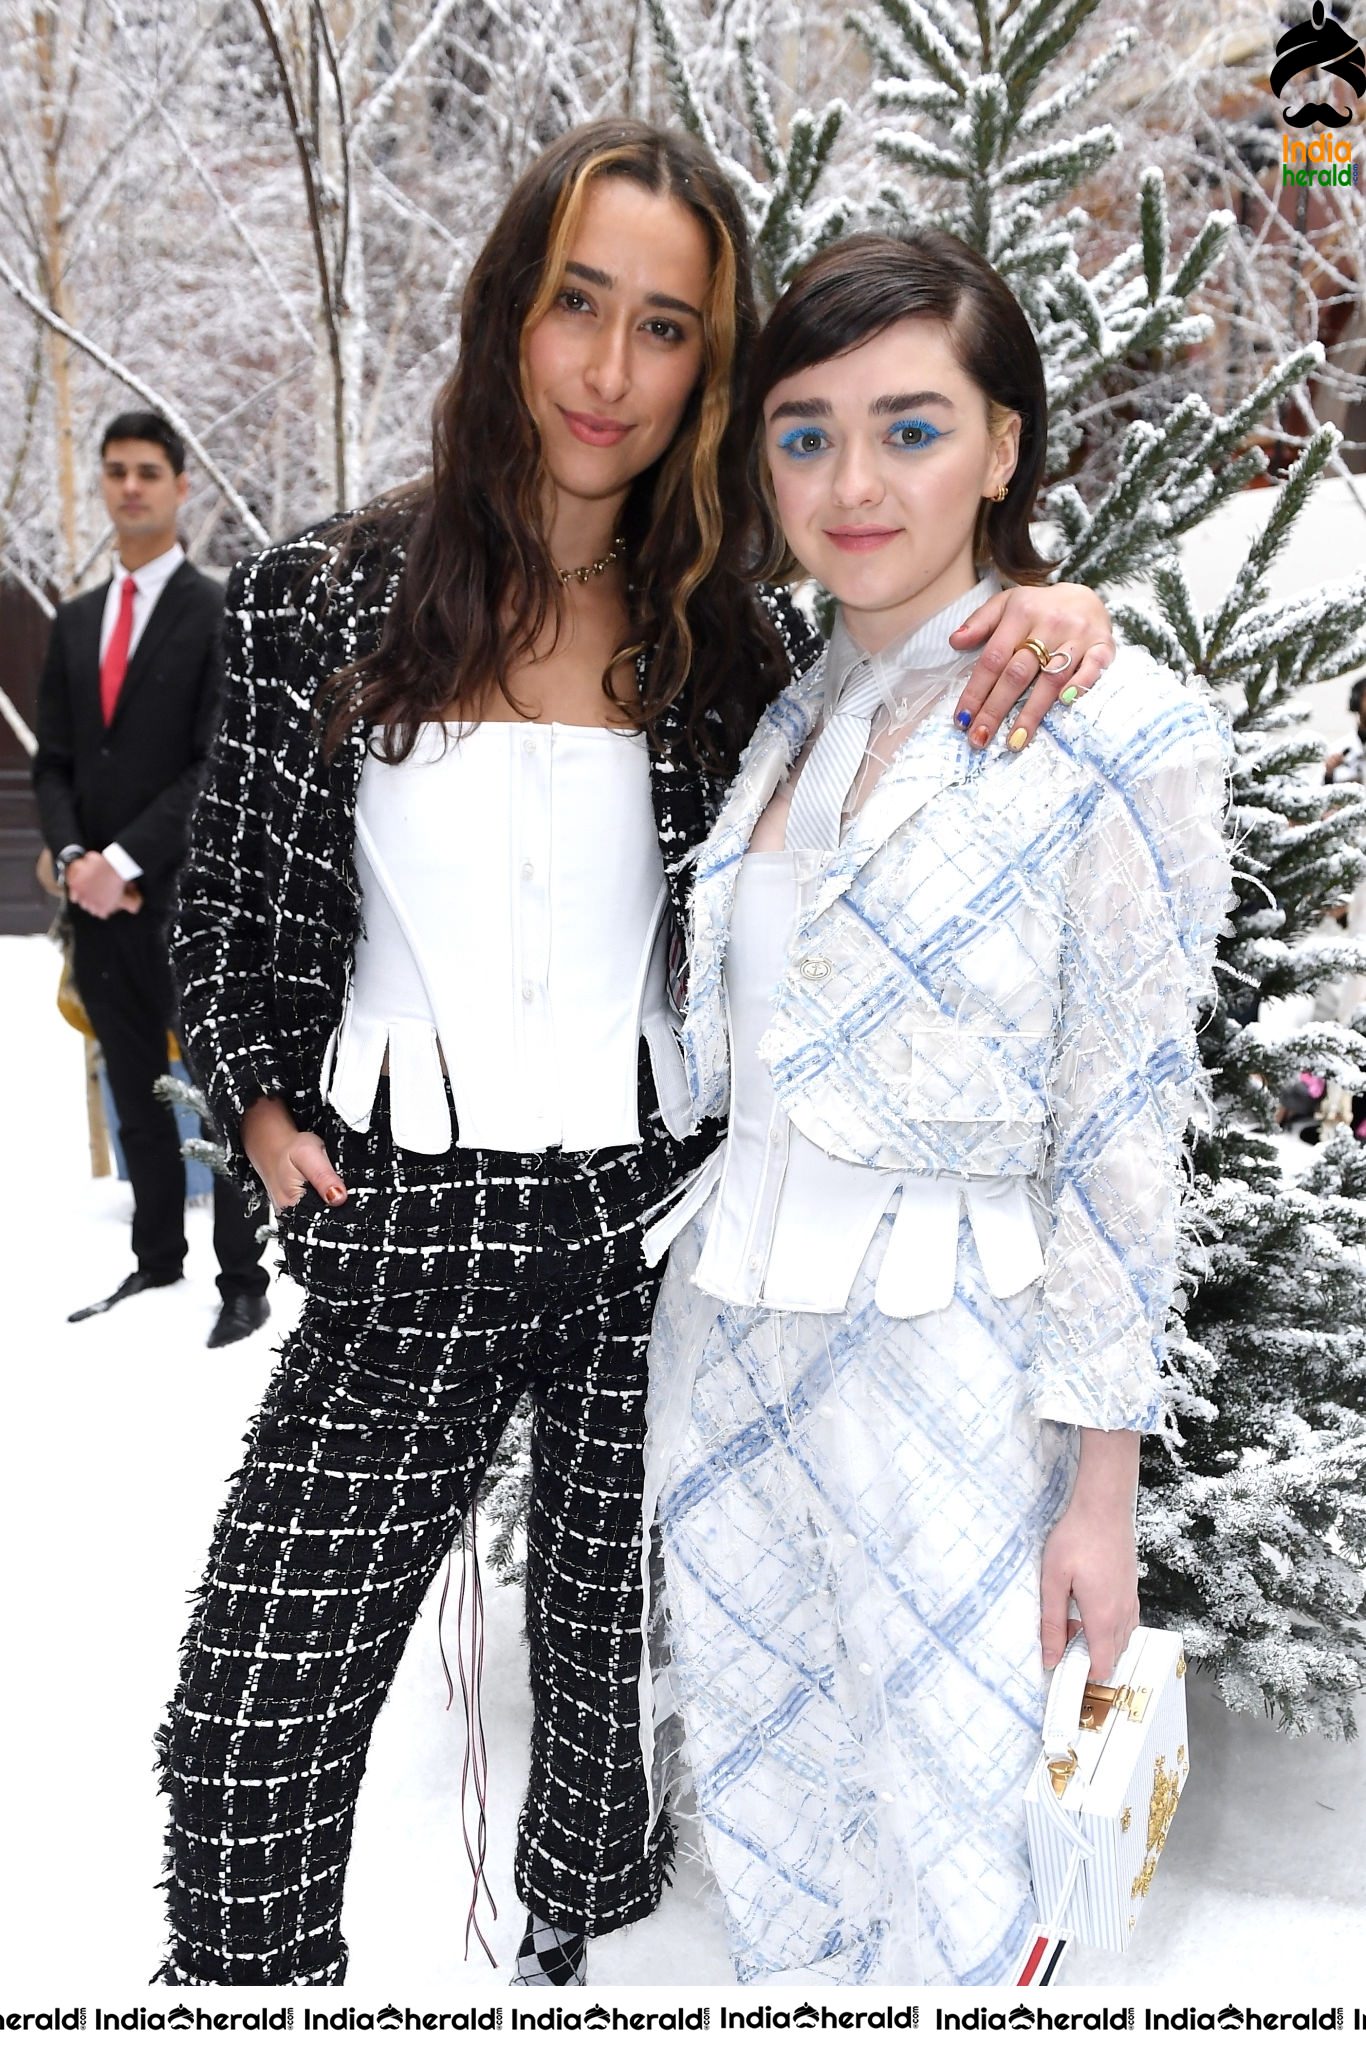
<point x="791" y="1225"/>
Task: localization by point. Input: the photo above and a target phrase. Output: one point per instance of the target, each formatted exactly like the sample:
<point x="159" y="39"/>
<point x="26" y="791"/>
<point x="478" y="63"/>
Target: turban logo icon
<point x="1323" y="44"/>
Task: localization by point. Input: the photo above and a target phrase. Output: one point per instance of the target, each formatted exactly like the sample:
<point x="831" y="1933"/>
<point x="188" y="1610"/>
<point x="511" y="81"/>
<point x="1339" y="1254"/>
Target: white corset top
<point x="513" y="905"/>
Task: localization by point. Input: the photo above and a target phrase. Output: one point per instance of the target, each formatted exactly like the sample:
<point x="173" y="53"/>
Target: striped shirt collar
<point x="925" y="647"/>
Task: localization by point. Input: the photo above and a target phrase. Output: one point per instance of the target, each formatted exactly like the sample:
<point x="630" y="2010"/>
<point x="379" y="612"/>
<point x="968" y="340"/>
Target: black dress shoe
<point x="238" y="1317"/>
<point x="136" y="1283"/>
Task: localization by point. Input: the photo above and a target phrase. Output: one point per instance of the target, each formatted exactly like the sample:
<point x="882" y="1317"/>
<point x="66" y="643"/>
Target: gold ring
<point x="1037" y="649"/>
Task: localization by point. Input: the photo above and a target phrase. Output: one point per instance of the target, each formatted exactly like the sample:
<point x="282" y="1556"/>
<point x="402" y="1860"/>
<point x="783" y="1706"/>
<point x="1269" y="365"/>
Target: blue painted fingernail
<point x="962" y="719"/>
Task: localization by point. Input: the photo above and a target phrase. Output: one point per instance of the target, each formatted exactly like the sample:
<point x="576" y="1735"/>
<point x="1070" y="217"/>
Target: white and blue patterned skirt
<point x="852" y="1512"/>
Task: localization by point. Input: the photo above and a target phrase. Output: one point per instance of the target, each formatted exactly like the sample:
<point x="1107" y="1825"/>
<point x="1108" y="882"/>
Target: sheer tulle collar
<point x="925" y="647"/>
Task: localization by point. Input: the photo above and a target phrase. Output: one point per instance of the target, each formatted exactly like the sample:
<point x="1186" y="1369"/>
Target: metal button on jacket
<point x="814" y="968"/>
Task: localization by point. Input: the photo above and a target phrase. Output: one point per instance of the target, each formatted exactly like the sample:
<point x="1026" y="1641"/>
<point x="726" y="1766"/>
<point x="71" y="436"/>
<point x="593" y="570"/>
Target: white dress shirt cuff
<point x="122" y="863"/>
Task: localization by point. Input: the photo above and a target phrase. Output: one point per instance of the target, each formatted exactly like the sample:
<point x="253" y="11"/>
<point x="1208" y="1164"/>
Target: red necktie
<point x="114" y="667"/>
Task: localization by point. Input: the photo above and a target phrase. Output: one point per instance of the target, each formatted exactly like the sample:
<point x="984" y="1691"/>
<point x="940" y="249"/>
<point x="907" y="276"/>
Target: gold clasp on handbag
<point x="1060" y="1771"/>
<point x="1097" y="1701"/>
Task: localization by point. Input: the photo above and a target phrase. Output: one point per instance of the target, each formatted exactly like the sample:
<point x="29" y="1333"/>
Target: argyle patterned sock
<point x="551" y="1955"/>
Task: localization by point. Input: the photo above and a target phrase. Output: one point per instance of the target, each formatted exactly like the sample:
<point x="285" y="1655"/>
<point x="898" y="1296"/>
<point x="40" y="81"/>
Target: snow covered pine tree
<point x="1253" y="1521"/>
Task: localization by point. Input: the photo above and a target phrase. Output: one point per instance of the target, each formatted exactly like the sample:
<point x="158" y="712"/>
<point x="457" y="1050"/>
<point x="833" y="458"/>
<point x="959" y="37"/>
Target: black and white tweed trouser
<point x="439" y="1292"/>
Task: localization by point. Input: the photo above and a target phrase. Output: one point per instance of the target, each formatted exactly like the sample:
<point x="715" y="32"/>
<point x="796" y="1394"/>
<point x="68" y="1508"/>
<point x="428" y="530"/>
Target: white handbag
<point x="1101" y="1799"/>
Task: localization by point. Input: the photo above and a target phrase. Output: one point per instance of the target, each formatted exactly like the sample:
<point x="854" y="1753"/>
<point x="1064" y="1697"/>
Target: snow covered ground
<point x="120" y="1434"/>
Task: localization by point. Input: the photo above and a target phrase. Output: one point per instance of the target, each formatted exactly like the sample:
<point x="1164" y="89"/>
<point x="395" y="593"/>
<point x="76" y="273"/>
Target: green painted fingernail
<point x="1070" y="694"/>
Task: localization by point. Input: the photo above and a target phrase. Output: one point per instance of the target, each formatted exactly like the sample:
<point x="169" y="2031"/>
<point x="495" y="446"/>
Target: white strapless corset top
<point x="513" y="905"/>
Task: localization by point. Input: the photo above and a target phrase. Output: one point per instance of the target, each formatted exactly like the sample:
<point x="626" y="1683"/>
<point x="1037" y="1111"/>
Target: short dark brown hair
<point x="858" y="287"/>
<point x="147" y="426"/>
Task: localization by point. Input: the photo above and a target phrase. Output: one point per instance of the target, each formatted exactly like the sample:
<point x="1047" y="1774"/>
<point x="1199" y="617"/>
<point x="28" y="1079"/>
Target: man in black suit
<point x="127" y="705"/>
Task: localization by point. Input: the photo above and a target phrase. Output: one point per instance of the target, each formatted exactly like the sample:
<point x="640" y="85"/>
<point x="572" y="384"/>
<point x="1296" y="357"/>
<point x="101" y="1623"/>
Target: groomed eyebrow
<point x="894" y="402"/>
<point x="802" y="409"/>
<point x="904" y="401"/>
<point x="606" y="283"/>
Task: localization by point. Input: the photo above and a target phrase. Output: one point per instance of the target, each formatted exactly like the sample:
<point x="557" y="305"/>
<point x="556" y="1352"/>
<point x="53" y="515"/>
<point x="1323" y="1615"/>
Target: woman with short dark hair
<point x="913" y="1320"/>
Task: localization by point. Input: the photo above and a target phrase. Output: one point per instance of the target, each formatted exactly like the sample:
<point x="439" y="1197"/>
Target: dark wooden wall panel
<point x="23" y="640"/>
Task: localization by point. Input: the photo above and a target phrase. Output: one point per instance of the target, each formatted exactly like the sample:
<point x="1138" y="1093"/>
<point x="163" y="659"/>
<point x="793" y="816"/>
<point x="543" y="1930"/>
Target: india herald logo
<point x="1319" y="44"/>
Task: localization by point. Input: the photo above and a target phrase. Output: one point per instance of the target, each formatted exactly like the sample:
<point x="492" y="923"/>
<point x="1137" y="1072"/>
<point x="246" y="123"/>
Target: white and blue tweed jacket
<point x="999" y="974"/>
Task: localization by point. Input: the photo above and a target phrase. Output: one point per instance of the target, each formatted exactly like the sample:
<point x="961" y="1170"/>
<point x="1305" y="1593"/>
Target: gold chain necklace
<point x="598" y="568"/>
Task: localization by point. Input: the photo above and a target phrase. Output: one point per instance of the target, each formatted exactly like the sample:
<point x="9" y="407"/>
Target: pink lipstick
<point x="861" y="540"/>
<point x="596" y="431"/>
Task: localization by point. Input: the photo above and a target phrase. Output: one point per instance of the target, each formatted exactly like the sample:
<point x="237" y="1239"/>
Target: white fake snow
<point x="120" y="1435"/>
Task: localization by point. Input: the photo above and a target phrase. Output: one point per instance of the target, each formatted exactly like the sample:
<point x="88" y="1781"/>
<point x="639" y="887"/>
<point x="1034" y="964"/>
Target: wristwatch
<point x="64" y="860"/>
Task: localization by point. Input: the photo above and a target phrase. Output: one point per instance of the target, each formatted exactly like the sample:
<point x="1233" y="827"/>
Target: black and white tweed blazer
<point x="269" y="906"/>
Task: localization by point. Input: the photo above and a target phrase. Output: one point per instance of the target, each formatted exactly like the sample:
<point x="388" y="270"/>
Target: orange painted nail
<point x="334" y="1193"/>
<point x="981" y="736"/>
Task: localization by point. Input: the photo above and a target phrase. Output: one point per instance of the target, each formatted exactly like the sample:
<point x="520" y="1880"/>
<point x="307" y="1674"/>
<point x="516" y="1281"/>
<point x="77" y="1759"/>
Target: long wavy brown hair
<point x="478" y="584"/>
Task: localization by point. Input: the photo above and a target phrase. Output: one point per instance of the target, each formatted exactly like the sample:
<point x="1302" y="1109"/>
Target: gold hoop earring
<point x="999" y="494"/>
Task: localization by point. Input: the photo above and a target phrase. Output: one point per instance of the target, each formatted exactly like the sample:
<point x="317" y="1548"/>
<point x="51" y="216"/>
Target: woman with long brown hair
<point x="471" y="736"/>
